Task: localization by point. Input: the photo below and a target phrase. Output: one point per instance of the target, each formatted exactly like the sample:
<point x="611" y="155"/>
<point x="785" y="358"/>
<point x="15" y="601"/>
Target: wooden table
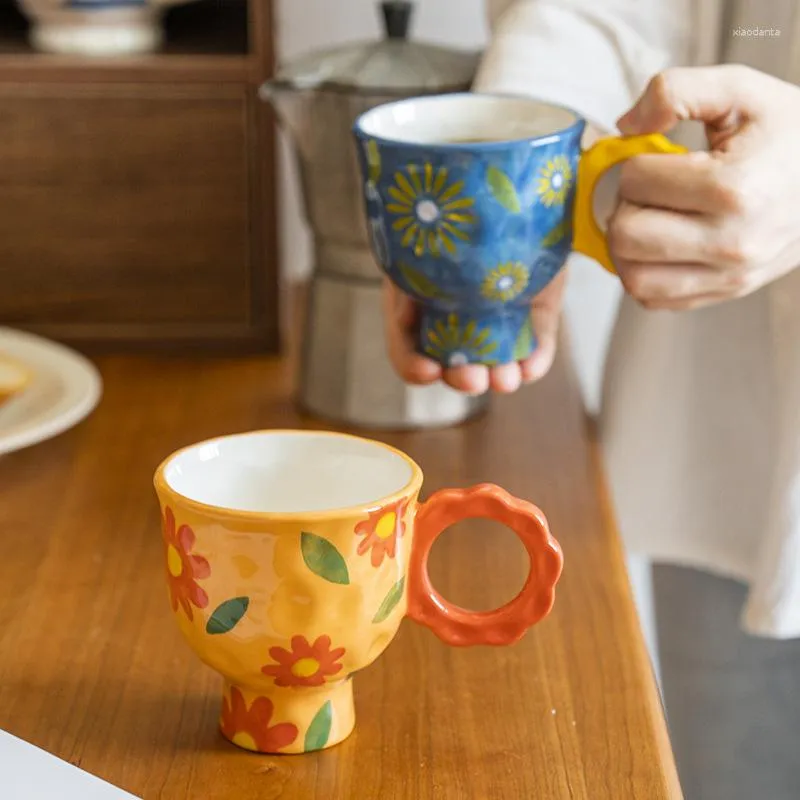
<point x="92" y="667"/>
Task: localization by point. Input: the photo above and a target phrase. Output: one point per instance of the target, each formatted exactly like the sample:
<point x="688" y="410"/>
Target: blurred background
<point x="300" y="28"/>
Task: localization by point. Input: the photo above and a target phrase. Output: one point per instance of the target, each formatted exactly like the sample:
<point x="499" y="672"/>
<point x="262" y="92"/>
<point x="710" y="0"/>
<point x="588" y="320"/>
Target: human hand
<point x="400" y="319"/>
<point x="697" y="229"/>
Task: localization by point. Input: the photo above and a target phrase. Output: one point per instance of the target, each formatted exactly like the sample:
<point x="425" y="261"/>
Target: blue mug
<point x="474" y="202"/>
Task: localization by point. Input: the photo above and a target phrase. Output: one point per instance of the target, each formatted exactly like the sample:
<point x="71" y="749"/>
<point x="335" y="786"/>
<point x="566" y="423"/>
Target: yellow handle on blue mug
<point x="589" y="238"/>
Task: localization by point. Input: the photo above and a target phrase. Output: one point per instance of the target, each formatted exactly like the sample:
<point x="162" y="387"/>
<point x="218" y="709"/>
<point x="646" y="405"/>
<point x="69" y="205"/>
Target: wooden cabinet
<point x="137" y="195"/>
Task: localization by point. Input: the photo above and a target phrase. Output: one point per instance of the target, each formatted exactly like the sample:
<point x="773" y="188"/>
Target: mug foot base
<point x="456" y="338"/>
<point x="288" y="720"/>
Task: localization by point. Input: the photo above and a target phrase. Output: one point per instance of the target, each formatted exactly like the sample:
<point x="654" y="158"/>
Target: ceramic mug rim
<point x="537" y="140"/>
<point x="165" y="489"/>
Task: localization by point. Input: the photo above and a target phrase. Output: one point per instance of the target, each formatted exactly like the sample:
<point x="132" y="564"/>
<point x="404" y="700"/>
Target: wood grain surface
<point x="92" y="667"/>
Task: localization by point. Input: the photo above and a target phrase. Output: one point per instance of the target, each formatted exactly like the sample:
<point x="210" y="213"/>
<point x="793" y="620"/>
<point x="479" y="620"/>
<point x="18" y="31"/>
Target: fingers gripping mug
<point x="291" y="559"/>
<point x="474" y="202"/>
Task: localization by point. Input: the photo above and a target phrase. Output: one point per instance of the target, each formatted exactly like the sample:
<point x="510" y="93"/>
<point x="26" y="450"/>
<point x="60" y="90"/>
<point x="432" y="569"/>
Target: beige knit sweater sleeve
<point x="594" y="56"/>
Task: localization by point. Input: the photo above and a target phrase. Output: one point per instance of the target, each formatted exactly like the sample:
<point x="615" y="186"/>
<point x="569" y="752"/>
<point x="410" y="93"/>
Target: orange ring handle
<point x="506" y="625"/>
<point x="589" y="238"/>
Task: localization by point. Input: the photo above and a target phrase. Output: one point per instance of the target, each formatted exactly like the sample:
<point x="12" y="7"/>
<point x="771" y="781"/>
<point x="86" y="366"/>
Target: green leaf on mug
<point x="227" y="615"/>
<point x="390" y="601"/>
<point x="320" y="729"/>
<point x="373" y="160"/>
<point x="524" y="344"/>
<point x="420" y="283"/>
<point x="503" y="189"/>
<point x="557" y="234"/>
<point x="323" y="559"/>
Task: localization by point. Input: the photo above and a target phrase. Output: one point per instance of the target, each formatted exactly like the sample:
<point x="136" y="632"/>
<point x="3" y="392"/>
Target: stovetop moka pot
<point x="345" y="372"/>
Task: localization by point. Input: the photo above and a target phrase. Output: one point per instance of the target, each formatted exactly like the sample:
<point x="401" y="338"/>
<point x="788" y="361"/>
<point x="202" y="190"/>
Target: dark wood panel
<point x="124" y="204"/>
<point x="40" y="68"/>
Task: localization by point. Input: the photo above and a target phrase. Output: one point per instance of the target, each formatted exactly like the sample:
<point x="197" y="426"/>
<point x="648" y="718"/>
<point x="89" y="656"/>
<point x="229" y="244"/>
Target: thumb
<point x="718" y="96"/>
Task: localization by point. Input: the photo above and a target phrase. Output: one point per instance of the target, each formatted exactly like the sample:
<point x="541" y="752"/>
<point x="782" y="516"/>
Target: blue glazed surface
<point x="473" y="232"/>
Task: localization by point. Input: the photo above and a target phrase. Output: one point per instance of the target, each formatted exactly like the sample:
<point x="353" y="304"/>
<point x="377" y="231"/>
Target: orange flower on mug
<point x="381" y="531"/>
<point x="184" y="568"/>
<point x="305" y="664"/>
<point x="250" y="728"/>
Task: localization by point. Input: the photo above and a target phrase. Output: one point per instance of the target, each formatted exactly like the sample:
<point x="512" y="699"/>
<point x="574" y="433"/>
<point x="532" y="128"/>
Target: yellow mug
<point x="291" y="559"/>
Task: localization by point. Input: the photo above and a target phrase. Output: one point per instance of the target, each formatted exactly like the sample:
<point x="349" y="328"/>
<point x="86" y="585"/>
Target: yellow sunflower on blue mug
<point x="432" y="213"/>
<point x="456" y="343"/>
<point x="554" y="180"/>
<point x="505" y="282"/>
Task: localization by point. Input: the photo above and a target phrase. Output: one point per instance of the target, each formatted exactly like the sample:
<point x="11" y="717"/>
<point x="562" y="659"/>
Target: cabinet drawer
<point x="124" y="205"/>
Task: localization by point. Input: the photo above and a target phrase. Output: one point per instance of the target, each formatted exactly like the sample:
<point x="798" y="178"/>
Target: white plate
<point x="65" y="388"/>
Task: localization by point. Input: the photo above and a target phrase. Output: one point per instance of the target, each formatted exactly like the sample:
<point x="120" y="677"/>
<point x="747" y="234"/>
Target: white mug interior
<point x="287" y="472"/>
<point x="460" y="118"/>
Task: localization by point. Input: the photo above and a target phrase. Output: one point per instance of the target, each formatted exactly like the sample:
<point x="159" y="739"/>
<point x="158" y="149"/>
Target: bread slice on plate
<point x="14" y="378"/>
